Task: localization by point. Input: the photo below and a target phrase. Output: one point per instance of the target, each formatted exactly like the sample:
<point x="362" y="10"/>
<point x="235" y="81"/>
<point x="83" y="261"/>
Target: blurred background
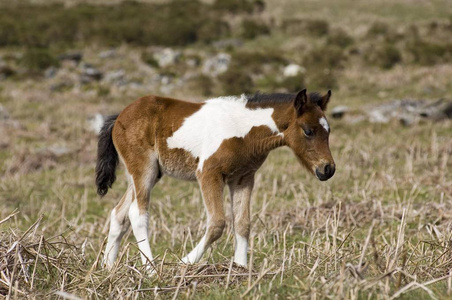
<point x="64" y="65"/>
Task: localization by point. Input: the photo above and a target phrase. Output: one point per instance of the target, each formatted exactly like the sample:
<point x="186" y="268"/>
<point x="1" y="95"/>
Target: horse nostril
<point x="327" y="169"/>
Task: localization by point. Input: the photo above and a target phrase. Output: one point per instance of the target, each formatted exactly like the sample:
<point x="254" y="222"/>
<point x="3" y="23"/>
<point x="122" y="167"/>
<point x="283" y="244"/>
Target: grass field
<point x="381" y="228"/>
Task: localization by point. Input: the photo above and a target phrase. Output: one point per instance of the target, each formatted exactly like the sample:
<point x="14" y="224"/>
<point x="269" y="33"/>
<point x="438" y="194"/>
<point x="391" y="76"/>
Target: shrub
<point x="170" y="23"/>
<point x="233" y="6"/>
<point x="339" y="37"/>
<point x="293" y="83"/>
<point x="252" y="29"/>
<point x="313" y="27"/>
<point x="148" y="57"/>
<point x="37" y="60"/>
<point x="213" y="30"/>
<point x="385" y="56"/>
<point x="202" y="84"/>
<point x="324" y="57"/>
<point x="427" y="53"/>
<point x="321" y="80"/>
<point x="234" y="82"/>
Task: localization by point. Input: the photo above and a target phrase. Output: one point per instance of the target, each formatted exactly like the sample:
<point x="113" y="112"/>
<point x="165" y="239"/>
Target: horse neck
<point x="263" y="143"/>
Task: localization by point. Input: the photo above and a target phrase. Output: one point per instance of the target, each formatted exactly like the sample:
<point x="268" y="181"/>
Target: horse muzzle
<point x="325" y="172"/>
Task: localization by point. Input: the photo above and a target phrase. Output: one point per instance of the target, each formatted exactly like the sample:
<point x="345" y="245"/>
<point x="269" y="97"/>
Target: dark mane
<point x="263" y="98"/>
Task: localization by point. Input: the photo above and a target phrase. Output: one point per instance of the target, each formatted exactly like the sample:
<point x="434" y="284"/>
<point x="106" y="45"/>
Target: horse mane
<point x="264" y="98"/>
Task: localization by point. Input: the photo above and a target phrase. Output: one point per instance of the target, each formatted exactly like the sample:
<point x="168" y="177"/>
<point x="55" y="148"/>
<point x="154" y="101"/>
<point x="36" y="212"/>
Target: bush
<point x="340" y="38"/>
<point x="324" y="57"/>
<point x="427" y="53"/>
<point x="252" y="29"/>
<point x="293" y="83"/>
<point x="37" y="60"/>
<point x="385" y="56"/>
<point x="171" y="24"/>
<point x="254" y="61"/>
<point x="235" y="82"/>
<point x="383" y="30"/>
<point x="234" y="6"/>
<point x="321" y="80"/>
<point x="213" y="30"/>
<point x="313" y="27"/>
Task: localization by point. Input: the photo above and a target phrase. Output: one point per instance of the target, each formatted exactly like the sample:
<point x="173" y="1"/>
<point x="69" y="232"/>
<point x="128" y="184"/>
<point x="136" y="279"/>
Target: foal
<point x="220" y="142"/>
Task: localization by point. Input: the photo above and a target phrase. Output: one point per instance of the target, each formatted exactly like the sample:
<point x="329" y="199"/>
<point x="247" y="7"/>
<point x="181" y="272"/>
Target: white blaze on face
<point x="219" y="119"/>
<point x="324" y="124"/>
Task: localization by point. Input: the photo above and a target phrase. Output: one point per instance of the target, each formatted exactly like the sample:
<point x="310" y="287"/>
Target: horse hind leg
<point x="119" y="224"/>
<point x="143" y="180"/>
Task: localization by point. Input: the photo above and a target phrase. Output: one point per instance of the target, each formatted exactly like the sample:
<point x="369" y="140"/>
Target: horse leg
<point x="240" y="197"/>
<point x="119" y="224"/>
<point x="212" y="192"/>
<point x="143" y="180"/>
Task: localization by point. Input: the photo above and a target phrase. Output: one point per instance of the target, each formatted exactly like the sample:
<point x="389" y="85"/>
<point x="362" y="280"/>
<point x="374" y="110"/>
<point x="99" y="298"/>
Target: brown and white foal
<point x="220" y="142"/>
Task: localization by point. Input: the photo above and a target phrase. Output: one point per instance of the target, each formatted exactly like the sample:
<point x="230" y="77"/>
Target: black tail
<point x="107" y="157"/>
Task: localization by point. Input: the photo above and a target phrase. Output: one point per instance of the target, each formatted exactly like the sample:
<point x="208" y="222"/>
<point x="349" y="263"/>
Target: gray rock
<point x="50" y="72"/>
<point x="117" y="76"/>
<point x="293" y="70"/>
<point x="90" y="73"/>
<point x="167" y="57"/>
<point x="95" y="123"/>
<point x="5" y="71"/>
<point x="217" y="64"/>
<point x="228" y="43"/>
<point x="107" y="54"/>
<point x="74" y="56"/>
<point x="339" y="111"/>
<point x="4" y="115"/>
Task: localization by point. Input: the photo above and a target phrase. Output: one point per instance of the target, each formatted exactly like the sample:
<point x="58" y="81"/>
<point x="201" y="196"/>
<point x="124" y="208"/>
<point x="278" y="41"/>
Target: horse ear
<point x="300" y="101"/>
<point x="325" y="99"/>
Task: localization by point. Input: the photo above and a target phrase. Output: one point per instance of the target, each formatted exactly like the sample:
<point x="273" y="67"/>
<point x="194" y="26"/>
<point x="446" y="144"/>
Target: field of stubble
<point x="381" y="228"/>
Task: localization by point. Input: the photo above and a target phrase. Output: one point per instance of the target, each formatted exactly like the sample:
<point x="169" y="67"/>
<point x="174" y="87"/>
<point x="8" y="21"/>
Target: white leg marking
<point x="140" y="230"/>
<point x="324" y="124"/>
<point x="241" y="250"/>
<point x="114" y="239"/>
<point x="195" y="255"/>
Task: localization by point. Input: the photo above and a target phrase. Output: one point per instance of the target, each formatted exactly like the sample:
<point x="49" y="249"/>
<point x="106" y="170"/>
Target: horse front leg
<point x="212" y="192"/>
<point x="241" y="190"/>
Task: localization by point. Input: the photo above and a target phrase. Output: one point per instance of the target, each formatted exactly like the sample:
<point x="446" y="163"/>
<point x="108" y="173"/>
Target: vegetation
<point x="379" y="229"/>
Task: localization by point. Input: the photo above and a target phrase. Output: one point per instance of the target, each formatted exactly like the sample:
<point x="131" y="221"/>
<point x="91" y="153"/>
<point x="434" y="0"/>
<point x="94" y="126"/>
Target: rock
<point x="293" y="70"/>
<point x="5" y="71"/>
<point x="217" y="64"/>
<point x="167" y="57"/>
<point x="60" y="86"/>
<point x="4" y="115"/>
<point x="117" y="76"/>
<point x="74" y="56"/>
<point x="339" y="111"/>
<point x="50" y="72"/>
<point x="58" y="151"/>
<point x="95" y="123"/>
<point x="90" y="73"/>
<point x="228" y="43"/>
<point x="107" y="54"/>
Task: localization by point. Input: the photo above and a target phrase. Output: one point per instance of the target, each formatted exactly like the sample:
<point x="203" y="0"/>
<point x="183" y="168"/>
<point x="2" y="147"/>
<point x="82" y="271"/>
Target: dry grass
<point x="380" y="228"/>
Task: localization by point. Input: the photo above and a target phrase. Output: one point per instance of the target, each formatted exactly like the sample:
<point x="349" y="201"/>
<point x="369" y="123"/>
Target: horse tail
<point x="107" y="157"/>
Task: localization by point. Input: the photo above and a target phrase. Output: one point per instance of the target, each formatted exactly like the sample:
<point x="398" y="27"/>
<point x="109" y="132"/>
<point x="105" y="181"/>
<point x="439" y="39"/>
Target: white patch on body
<point x="241" y="250"/>
<point x="324" y="124"/>
<point x="218" y="119"/>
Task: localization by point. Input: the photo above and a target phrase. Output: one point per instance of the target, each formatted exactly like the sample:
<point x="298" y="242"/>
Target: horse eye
<point x="308" y="132"/>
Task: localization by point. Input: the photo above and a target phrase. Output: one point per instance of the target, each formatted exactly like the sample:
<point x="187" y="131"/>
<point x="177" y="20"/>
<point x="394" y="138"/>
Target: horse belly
<point x="178" y="163"/>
